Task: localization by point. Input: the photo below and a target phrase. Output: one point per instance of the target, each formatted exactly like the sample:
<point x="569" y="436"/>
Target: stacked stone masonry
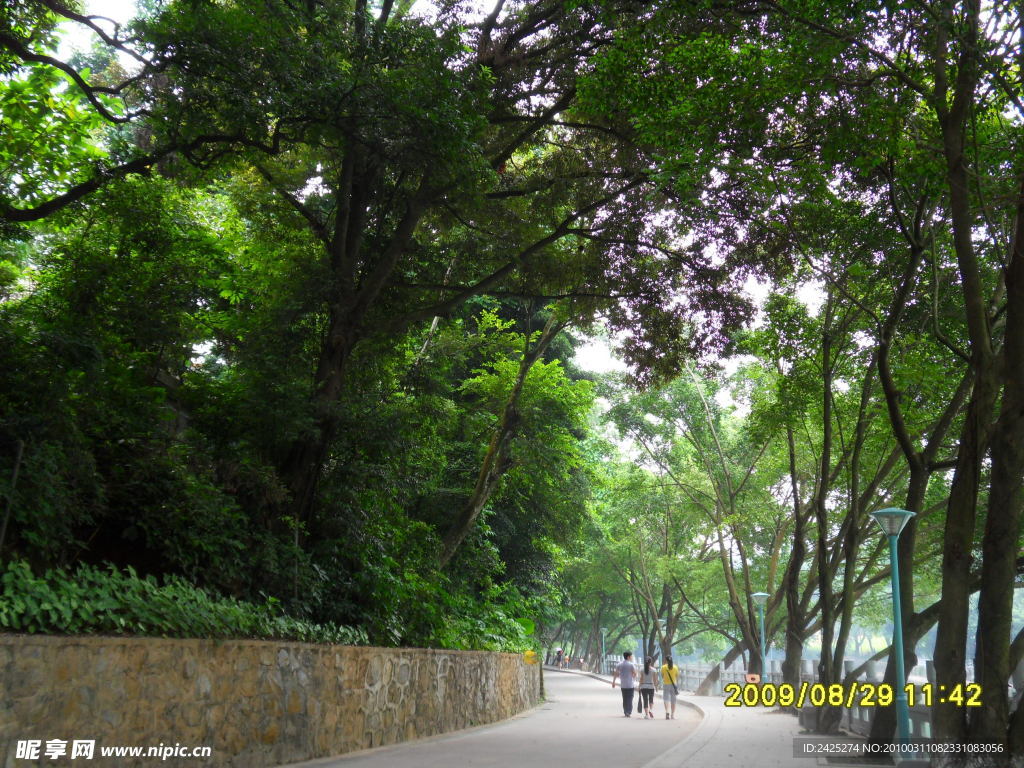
<point x="255" y="703"/>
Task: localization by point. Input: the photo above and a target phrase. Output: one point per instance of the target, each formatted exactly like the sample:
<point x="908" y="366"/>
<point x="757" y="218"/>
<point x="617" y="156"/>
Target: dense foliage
<point x="95" y="601"/>
<point x="290" y="292"/>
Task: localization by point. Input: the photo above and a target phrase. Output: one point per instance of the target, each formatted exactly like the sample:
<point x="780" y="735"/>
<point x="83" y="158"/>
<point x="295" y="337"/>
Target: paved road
<point x="731" y="737"/>
<point x="581" y="724"/>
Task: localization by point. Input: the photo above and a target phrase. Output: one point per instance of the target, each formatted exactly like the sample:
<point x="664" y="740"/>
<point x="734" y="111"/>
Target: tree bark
<point x="829" y="717"/>
<point x="356" y="292"/>
<point x="19" y="452"/>
<point x="497" y="459"/>
<point x="707" y="684"/>
<point x="851" y="536"/>
<point x="948" y="720"/>
<point x="990" y="722"/>
<point x="795" y="619"/>
<point x="883" y="723"/>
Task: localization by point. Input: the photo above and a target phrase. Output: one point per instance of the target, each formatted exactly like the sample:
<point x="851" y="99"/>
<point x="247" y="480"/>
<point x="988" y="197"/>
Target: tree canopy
<point x="290" y="293"/>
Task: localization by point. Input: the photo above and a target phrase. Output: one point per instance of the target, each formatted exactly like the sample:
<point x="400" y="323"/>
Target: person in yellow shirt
<point x="669" y="686"/>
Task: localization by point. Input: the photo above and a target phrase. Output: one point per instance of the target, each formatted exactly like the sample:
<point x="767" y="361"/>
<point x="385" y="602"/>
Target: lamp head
<point x="760" y="598"/>
<point x="892" y="520"/>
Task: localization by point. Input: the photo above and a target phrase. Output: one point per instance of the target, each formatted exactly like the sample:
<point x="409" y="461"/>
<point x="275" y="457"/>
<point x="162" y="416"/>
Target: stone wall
<point x="255" y="703"/>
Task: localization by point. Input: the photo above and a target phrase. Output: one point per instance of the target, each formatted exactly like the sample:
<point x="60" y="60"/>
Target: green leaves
<point x="92" y="600"/>
<point x="51" y="136"/>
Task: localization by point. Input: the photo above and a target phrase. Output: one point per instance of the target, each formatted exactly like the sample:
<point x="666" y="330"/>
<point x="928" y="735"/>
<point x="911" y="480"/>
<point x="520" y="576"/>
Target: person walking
<point x="669" y="686"/>
<point x="625" y="672"/>
<point x="648" y="685"/>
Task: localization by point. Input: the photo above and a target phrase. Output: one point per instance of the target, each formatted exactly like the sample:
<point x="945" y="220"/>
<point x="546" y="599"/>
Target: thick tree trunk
<point x="795" y="619"/>
<point x="883" y="722"/>
<point x="828" y="718"/>
<point x="989" y="723"/>
<point x="497" y="460"/>
<point x="9" y="504"/>
<point x="1015" y="733"/>
<point x="594" y="636"/>
<point x="851" y="538"/>
<point x="948" y="720"/>
<point x="307" y="455"/>
<point x="359" y="282"/>
<point x="708" y="683"/>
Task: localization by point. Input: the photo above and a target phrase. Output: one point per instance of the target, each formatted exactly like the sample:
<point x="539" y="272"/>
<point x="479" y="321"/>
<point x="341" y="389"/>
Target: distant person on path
<point x="558" y="658"/>
<point x="625" y="672"/>
<point x="670" y="686"/>
<point x="648" y="684"/>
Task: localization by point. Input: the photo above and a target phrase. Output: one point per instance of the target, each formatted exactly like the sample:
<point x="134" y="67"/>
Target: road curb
<point x="675" y="756"/>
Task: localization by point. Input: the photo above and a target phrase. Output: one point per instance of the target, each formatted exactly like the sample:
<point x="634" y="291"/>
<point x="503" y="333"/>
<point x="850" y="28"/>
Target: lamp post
<point x="760" y="598"/>
<point x="661" y="639"/>
<point x="892" y="521"/>
<point x="603" y="655"/>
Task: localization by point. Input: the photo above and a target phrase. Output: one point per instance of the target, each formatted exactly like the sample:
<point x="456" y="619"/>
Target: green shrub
<point x="94" y="600"/>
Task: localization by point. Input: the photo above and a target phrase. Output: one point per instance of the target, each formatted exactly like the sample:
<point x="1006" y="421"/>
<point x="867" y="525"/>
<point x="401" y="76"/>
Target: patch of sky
<point x="105" y="14"/>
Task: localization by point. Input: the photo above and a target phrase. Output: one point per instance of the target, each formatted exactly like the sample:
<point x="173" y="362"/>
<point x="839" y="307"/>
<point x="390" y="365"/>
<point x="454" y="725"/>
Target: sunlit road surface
<point x="580" y="724"/>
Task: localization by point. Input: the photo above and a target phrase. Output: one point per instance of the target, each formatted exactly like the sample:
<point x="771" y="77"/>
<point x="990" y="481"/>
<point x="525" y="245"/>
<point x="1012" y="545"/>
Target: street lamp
<point x="760" y="598"/>
<point x="892" y="521"/>
<point x="604" y="658"/>
<point x="662" y="623"/>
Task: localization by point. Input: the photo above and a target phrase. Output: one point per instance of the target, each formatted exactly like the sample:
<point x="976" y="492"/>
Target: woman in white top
<point x="648" y="684"/>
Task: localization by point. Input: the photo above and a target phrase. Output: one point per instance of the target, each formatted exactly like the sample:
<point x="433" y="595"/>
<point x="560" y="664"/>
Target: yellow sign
<point x="530" y="657"/>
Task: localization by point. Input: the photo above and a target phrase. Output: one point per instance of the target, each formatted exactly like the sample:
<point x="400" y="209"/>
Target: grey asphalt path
<point x="580" y="724"/>
<point x="730" y="737"/>
<point x="736" y="737"/>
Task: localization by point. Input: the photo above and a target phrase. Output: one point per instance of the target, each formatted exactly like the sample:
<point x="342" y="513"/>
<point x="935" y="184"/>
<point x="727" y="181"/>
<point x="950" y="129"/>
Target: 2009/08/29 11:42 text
<point x="853" y="695"/>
